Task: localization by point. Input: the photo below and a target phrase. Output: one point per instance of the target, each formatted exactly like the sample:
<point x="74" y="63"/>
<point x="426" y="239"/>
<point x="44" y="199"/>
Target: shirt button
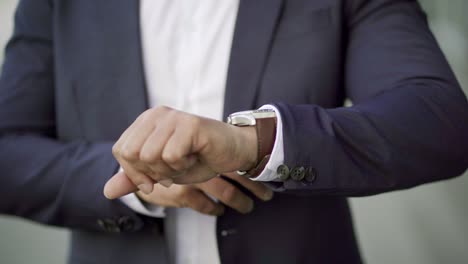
<point x="283" y="172"/>
<point x="298" y="173"/>
<point x="228" y="232"/>
<point x="311" y="175"/>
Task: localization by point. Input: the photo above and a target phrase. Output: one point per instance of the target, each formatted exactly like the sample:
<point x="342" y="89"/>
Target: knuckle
<point x="171" y="156"/>
<point x="115" y="150"/>
<point x="130" y="153"/>
<point x="147" y="157"/>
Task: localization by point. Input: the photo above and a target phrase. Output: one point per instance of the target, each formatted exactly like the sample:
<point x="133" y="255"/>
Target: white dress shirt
<point x="186" y="47"/>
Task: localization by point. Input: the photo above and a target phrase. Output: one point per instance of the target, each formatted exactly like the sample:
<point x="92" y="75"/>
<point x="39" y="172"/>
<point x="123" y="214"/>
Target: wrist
<point x="249" y="147"/>
<point x="259" y="127"/>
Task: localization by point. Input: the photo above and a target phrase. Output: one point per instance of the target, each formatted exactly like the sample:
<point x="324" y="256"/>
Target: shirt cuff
<point x="277" y="154"/>
<point x="134" y="203"/>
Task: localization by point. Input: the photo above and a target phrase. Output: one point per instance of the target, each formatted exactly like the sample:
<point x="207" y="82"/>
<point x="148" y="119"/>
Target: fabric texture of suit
<point x="73" y="81"/>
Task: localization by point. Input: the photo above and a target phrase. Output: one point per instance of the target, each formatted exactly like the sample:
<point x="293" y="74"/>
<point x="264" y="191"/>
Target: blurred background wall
<point x="427" y="225"/>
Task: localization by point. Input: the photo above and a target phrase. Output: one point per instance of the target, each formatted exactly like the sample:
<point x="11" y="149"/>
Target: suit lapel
<point x="255" y="25"/>
<point x="127" y="63"/>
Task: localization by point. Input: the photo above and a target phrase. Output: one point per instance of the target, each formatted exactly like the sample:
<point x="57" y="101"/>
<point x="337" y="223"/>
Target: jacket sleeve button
<point x="298" y="173"/>
<point x="108" y="225"/>
<point x="101" y="224"/>
<point x="311" y="175"/>
<point x="283" y="172"/>
<point x="126" y="223"/>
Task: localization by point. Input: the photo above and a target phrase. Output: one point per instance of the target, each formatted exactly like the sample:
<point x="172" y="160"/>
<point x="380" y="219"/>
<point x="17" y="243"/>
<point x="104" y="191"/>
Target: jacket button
<point x="228" y="232"/>
<point x="283" y="172"/>
<point x="101" y="224"/>
<point x="108" y="225"/>
<point x="311" y="175"/>
<point x="298" y="173"/>
<point x="126" y="223"/>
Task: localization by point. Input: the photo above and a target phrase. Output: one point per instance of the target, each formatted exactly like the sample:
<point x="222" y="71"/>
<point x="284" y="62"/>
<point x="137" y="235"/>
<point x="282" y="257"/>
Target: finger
<point x="151" y="153"/>
<point x="199" y="202"/>
<point x="118" y="186"/>
<point x="117" y="148"/>
<point x="257" y="188"/>
<point x="143" y="182"/>
<point x="162" y="196"/>
<point x="153" y="146"/>
<point x="139" y="171"/>
<point x="196" y="174"/>
<point x="176" y="152"/>
<point x="228" y="194"/>
<point x="161" y="170"/>
<point x="132" y="145"/>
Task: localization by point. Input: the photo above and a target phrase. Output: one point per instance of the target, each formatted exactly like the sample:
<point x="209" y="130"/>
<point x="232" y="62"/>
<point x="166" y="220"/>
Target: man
<point x="79" y="76"/>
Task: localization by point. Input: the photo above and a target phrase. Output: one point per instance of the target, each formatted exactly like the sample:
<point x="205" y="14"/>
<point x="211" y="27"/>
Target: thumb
<point x="118" y="186"/>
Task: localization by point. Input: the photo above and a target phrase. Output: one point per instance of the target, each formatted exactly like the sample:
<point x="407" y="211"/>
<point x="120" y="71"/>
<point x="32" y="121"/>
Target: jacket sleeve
<point x="409" y="121"/>
<point x="44" y="179"/>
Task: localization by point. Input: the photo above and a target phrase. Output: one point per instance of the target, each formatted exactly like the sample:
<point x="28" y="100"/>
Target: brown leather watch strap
<point x="266" y="135"/>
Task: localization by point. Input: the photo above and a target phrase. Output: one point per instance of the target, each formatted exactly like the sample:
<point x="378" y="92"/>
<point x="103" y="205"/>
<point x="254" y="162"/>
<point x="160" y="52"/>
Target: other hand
<point x="196" y="196"/>
<point x="169" y="146"/>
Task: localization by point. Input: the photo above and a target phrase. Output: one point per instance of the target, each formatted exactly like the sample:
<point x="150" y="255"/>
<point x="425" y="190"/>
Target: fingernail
<point x="166" y="182"/>
<point x="107" y="191"/>
<point x="146" y="188"/>
<point x="268" y="195"/>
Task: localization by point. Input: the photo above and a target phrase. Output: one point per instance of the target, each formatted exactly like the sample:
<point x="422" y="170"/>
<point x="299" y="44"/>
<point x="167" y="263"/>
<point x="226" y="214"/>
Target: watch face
<point x="244" y="118"/>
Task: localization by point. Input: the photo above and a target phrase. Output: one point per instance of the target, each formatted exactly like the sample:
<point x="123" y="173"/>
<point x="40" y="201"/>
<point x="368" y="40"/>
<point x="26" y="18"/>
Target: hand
<point x="196" y="196"/>
<point x="165" y="145"/>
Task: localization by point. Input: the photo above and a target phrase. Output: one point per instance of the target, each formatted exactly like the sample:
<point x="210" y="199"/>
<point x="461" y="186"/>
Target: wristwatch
<point x="264" y="121"/>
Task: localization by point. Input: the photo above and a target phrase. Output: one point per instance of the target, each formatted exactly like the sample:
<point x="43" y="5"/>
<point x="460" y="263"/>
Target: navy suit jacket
<point x="72" y="81"/>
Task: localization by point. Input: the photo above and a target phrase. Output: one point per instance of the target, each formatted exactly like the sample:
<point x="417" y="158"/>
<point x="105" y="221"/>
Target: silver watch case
<point x="248" y="118"/>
